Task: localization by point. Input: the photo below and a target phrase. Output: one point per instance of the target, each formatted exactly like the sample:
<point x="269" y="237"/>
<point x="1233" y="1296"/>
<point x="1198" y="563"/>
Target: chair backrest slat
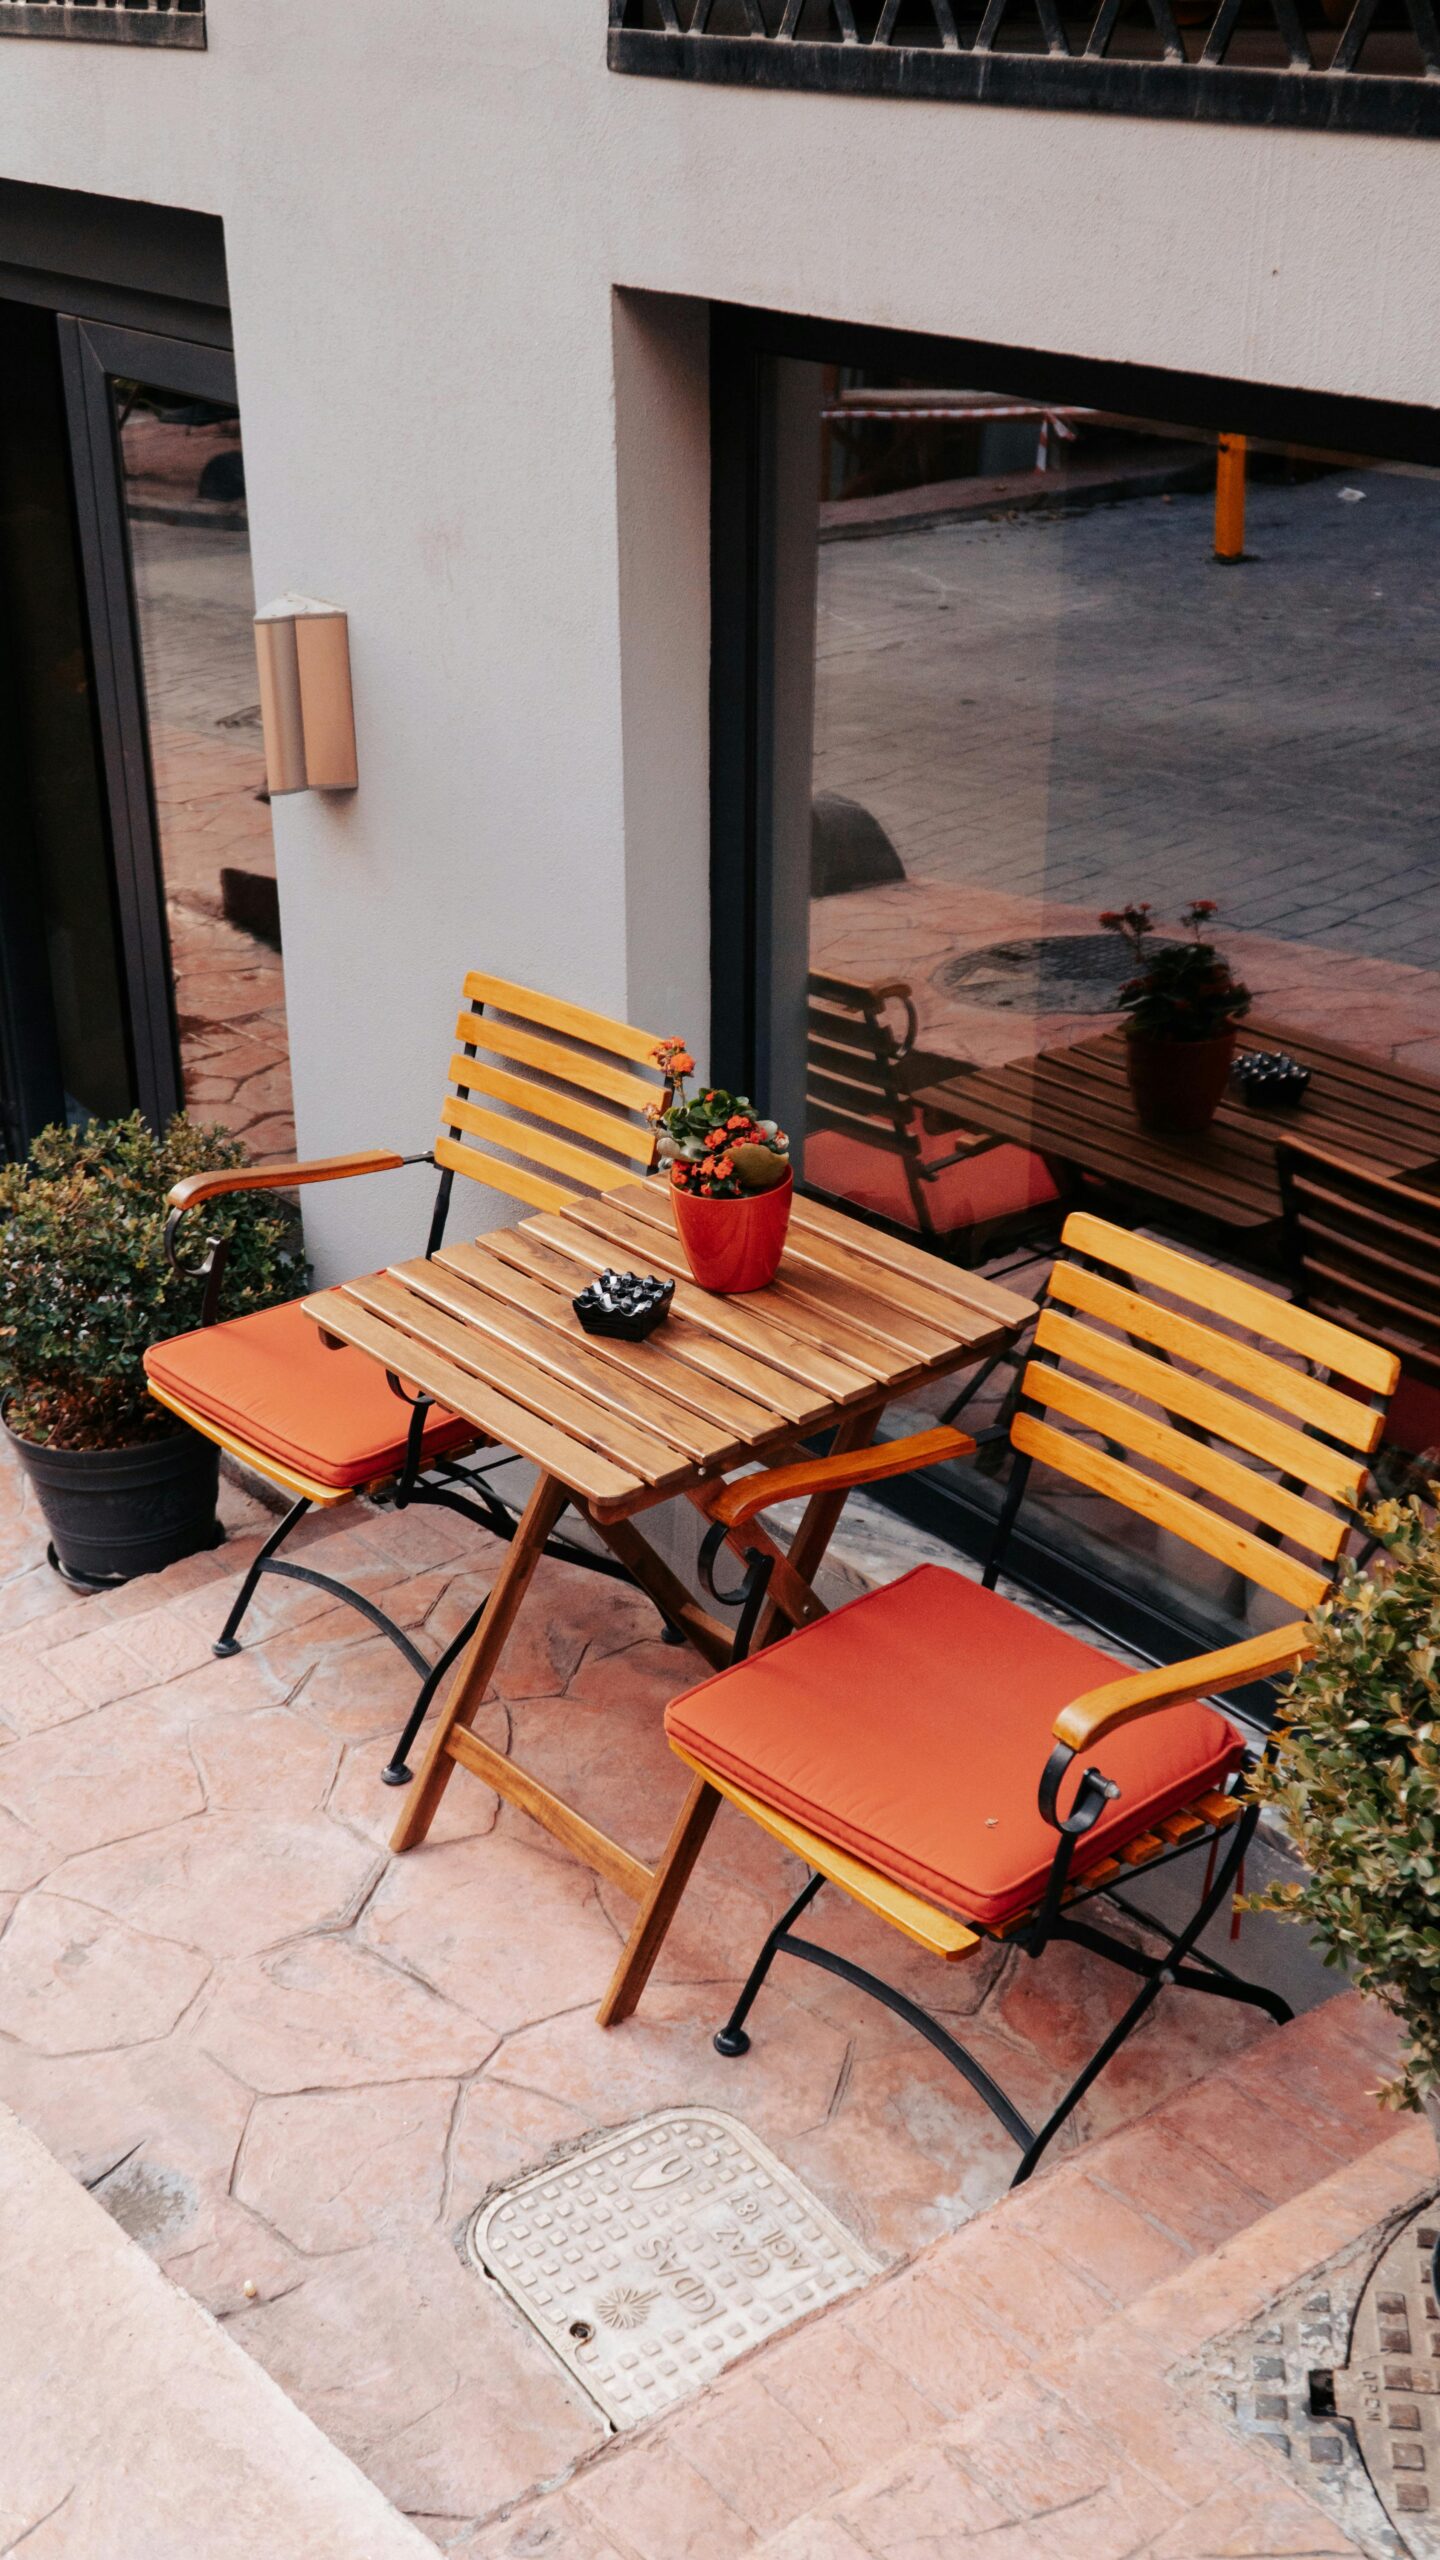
<point x="1271" y="1567"/>
<point x="1195" y="1459"/>
<point x="1201" y="1284"/>
<point x="1305" y="1399"/>
<point x="594" y="1030"/>
<point x="851" y="1084"/>
<point x="565" y="1076"/>
<point x="513" y="1179"/>
<point x="1211" y="1395"/>
<point x="1365" y="1250"/>
<point x="606" y="1128"/>
<point x="1188" y="1398"/>
<point x="548" y="1058"/>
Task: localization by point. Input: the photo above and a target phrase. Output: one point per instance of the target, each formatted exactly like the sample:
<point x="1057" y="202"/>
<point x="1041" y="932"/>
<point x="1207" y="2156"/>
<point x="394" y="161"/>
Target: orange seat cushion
<point x="269" y="1381"/>
<point x="1000" y="1182"/>
<point x="911" y="1728"/>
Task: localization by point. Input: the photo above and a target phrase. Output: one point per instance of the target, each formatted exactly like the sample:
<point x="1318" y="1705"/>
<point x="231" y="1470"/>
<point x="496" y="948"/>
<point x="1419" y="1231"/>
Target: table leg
<point x="477" y="1664"/>
<point x="817" y="1528"/>
<point x="656" y="1912"/>
<point x="712" y="1641"/>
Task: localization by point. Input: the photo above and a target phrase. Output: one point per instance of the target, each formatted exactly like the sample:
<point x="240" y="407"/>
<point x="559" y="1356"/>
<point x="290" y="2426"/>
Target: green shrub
<point x="85" y="1285"/>
<point x="1357" y="1777"/>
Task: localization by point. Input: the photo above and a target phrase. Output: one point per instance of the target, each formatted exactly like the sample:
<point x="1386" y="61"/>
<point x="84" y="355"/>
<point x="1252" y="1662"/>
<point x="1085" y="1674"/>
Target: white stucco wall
<point x="428" y="213"/>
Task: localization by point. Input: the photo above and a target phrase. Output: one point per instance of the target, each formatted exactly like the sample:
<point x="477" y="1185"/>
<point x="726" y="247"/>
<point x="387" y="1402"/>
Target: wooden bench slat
<point x="1322" y="1532"/>
<point x="1176" y="1391"/>
<point x="606" y="1128"/>
<point x="485" y="1355"/>
<point x="573" y="1253"/>
<point x="1269" y="1566"/>
<point x="568" y="1353"/>
<point x="1299" y="1396"/>
<point x="555" y="1013"/>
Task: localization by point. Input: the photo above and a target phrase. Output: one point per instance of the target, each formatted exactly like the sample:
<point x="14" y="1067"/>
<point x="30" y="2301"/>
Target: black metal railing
<point x="179" y="22"/>
<point x="1349" y="66"/>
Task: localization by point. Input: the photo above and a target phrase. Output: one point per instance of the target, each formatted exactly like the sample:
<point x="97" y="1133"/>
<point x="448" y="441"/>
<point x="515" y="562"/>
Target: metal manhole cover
<point x="1390" y="2389"/>
<point x="1049" y="973"/>
<point x="653" y="2258"/>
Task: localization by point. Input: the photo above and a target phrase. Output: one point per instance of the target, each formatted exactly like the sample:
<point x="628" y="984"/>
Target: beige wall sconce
<point x="302" y="648"/>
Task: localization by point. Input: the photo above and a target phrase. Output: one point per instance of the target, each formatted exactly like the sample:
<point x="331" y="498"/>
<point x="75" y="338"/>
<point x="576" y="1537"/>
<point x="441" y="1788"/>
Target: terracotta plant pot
<point x="734" y="1245"/>
<point x="1177" y="1085"/>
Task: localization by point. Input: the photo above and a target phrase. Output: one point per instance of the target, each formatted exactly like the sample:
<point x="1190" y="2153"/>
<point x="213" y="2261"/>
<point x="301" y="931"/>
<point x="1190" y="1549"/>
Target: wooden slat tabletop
<point x="852" y="1318"/>
<point x="1075" y="1103"/>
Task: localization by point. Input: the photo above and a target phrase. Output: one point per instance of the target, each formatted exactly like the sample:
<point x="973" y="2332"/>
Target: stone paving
<point x="292" y="2065"/>
<point x="1053" y="716"/>
<point x="1034" y="2388"/>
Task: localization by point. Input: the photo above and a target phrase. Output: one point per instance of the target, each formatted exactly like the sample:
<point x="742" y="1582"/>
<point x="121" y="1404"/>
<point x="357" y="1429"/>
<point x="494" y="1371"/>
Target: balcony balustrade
<point x="170" y="22"/>
<point x="1350" y="66"/>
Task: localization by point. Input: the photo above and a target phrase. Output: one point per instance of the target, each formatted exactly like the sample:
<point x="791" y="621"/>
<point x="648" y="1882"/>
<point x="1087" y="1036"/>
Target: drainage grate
<point x="653" y="2258"/>
<point x="1340" y="2378"/>
<point x="1390" y="2389"/>
<point x="1051" y="973"/>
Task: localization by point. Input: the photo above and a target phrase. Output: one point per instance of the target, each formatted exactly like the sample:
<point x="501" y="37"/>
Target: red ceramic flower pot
<point x="734" y="1245"/>
<point x="1177" y="1085"/>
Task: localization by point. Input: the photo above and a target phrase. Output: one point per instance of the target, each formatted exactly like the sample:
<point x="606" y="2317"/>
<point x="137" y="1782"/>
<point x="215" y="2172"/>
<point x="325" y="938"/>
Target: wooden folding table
<point x="853" y="1319"/>
<point x="1074" y="1104"/>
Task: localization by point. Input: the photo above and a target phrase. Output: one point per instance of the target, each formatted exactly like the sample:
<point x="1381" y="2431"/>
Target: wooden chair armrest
<point x="739" y="1502"/>
<point x="282" y="1177"/>
<point x="1104" y="1710"/>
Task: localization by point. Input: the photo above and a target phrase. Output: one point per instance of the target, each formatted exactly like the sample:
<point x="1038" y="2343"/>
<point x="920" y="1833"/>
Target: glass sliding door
<point x="1006" y="689"/>
<point x="159" y="466"/>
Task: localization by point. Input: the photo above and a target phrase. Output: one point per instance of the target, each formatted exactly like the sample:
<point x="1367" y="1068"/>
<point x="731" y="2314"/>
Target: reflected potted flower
<point x="1183" y="1003"/>
<point x="730" y="1180"/>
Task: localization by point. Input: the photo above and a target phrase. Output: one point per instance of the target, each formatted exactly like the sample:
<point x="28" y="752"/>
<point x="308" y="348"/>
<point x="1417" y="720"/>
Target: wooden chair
<point x="1365" y="1250"/>
<point x="868" y="1146"/>
<point x="548" y="1101"/>
<point x="928" y="1747"/>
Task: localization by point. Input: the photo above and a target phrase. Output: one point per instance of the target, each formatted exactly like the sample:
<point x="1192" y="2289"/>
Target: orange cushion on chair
<point x="911" y="1728"/>
<point x="999" y="1182"/>
<point x="269" y="1381"/>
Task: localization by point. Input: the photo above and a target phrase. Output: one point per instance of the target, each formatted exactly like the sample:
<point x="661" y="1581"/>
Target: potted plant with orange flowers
<point x="1183" y="1003"/>
<point x="730" y="1180"/>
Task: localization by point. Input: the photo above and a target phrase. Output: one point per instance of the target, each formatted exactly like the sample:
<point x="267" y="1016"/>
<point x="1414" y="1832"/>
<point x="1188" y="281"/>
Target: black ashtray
<point x="1270" y="1078"/>
<point x="624" y="1304"/>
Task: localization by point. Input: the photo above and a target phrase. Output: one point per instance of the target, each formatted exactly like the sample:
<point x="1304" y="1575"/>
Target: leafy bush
<point x="1181" y="990"/>
<point x="85" y="1285"/>
<point x="1357" y="1778"/>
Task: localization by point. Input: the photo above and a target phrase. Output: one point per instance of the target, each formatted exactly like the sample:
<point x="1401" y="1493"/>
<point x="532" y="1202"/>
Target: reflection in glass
<point x="1038" y="697"/>
<point x="184" y="482"/>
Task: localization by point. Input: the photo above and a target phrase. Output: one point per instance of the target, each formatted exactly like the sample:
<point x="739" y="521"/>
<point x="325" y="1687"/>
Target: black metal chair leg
<point x="225" y="1643"/>
<point x="732" y="2039"/>
<point x="1166" y="1974"/>
<point x="395" y="1773"/>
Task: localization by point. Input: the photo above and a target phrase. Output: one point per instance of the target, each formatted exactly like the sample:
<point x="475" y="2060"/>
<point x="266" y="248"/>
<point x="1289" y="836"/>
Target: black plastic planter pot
<point x="114" y="1513"/>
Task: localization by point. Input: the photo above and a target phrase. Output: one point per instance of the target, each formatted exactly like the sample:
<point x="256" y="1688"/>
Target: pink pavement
<point x="292" y="2065"/>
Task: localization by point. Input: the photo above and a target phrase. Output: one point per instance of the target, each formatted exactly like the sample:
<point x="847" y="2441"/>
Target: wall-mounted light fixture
<point x="303" y="651"/>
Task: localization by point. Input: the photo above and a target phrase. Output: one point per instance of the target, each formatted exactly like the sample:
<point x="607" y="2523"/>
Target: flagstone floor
<point x="292" y="2065"/>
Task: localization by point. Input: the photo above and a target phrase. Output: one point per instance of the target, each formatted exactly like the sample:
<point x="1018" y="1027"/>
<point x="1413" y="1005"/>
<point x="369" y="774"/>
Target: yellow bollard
<point x="1230" y="500"/>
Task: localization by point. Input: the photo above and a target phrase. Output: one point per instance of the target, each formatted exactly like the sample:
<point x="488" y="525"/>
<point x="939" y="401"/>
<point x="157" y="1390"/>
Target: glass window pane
<point x="1039" y="698"/>
<point x="184" y="479"/>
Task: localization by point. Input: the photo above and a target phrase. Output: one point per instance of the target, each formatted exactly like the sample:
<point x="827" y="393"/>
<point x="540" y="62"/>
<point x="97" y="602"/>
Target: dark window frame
<point x="92" y="353"/>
